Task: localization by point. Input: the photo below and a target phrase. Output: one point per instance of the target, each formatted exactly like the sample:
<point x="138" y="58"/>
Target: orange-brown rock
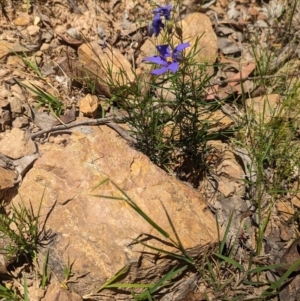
<point x="104" y="65"/>
<point x="97" y="232"/>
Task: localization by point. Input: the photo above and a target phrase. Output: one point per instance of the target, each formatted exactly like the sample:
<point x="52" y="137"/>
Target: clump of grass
<point x="45" y="99"/>
<point x="271" y="140"/>
<point x="220" y="273"/>
<point x="32" y="64"/>
<point x="9" y="294"/>
<point x="20" y="232"/>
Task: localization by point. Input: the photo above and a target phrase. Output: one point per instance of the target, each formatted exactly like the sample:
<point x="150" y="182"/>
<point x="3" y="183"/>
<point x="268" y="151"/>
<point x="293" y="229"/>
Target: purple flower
<point x="156" y="26"/>
<point x="168" y="60"/>
<point x="157" y="23"/>
<point x="164" y="11"/>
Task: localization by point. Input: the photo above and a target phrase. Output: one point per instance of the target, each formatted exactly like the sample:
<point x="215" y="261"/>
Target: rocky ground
<point x="59" y="131"/>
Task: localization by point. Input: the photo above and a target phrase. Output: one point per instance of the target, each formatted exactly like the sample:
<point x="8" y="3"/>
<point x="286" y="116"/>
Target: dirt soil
<point x="47" y="35"/>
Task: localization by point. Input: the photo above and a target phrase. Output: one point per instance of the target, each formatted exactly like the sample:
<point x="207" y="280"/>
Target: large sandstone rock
<point x="96" y="232"/>
<point x="98" y="62"/>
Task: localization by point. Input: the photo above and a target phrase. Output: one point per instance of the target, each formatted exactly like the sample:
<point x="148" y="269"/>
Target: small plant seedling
<point x="21" y="230"/>
<point x="45" y="99"/>
<point x="9" y="294"/>
<point x="68" y="274"/>
<point x="32" y="64"/>
<point x="45" y="275"/>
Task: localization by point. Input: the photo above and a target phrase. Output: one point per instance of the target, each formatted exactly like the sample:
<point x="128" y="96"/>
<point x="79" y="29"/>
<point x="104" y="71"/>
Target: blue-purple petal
<point x="173" y="67"/>
<point x="155" y="60"/>
<point x="159" y="71"/>
<point x="164" y="50"/>
<point x="164" y="11"/>
<point x="157" y="24"/>
<point x="180" y="47"/>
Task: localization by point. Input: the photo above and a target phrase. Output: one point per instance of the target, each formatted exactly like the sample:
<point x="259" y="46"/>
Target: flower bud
<point x="169" y="25"/>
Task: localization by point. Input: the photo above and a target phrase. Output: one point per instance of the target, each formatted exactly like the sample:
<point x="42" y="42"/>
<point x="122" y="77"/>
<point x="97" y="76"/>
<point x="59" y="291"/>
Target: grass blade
<point x="223" y="242"/>
<point x="123" y="271"/>
<point x="277" y="284"/>
<point x="231" y="261"/>
<point x="136" y="208"/>
<point x="171" y="274"/>
<point x="174" y="255"/>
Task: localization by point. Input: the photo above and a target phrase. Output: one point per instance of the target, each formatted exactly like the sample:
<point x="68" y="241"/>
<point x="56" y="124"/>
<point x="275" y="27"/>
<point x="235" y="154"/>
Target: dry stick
<point x="109" y="121"/>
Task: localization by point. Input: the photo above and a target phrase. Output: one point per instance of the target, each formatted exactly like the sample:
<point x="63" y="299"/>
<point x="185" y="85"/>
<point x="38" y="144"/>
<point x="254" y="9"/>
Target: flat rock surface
<point x="96" y="232"/>
<point x="16" y="144"/>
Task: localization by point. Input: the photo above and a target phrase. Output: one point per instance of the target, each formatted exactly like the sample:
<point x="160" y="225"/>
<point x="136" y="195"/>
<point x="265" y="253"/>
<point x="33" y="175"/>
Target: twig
<point x="109" y="121"/>
<point x="122" y="132"/>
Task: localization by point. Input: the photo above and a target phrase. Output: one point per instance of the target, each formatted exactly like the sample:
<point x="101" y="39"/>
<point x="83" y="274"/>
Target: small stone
<point x="296" y="201"/>
<point x="15" y="105"/>
<point x="3" y="72"/>
<point x="285" y="210"/>
<point x="33" y="30"/>
<point x="16" y="88"/>
<point x="15" y="61"/>
<point x="7" y="178"/>
<point x="225" y="188"/>
<point x="219" y="119"/>
<point x="38" y="54"/>
<point x="37" y="20"/>
<point x="5" y="120"/>
<point x="89" y="105"/>
<point x="264" y="107"/>
<point x="38" y="60"/>
<point x="45" y="47"/>
<point x="22" y="20"/>
<point x="16" y="144"/>
<point x="286" y="233"/>
<point x="32" y="84"/>
<point x="7" y="47"/>
<point x="20" y="122"/>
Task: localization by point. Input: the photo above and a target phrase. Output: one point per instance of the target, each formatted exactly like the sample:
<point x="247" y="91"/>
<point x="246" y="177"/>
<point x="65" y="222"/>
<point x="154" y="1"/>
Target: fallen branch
<point x="109" y="121"/>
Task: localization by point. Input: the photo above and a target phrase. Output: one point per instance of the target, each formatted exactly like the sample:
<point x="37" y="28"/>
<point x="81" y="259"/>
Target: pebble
<point x="15" y="105"/>
<point x="3" y="72"/>
<point x="20" y="122"/>
<point x="33" y="30"/>
<point x="16" y="88"/>
<point x="45" y="47"/>
<point x="22" y="20"/>
<point x="3" y="94"/>
<point x="37" y="20"/>
<point x="15" y="61"/>
<point x="285" y="210"/>
<point x="38" y="54"/>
